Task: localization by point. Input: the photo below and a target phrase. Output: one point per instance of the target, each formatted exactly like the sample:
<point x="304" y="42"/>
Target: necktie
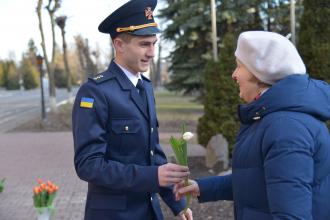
<point x="142" y="93"/>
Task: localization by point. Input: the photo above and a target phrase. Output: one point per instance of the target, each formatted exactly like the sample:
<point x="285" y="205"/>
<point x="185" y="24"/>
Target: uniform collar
<point x="132" y="77"/>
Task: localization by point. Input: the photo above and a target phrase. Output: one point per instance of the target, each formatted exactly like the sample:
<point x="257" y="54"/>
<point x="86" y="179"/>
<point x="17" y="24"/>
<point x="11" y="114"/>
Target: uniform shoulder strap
<point x="102" y="77"/>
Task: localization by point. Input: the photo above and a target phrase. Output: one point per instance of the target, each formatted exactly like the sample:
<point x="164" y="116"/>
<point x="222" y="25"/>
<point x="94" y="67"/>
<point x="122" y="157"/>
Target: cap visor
<point x="146" y="31"/>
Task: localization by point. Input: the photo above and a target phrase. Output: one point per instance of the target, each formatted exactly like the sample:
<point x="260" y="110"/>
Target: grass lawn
<point x="173" y="109"/>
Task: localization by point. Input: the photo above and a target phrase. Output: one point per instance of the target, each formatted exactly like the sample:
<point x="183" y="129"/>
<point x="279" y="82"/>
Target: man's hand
<point x="169" y="174"/>
<point x="180" y="190"/>
<point x="186" y="215"/>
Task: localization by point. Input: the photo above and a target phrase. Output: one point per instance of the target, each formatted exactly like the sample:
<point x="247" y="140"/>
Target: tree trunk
<point x="158" y="80"/>
<point x="112" y="50"/>
<point x="152" y="72"/>
<point x="61" y="23"/>
<point x="52" y="89"/>
<point x="90" y="66"/>
<point x="269" y="15"/>
<point x="52" y="98"/>
<point x="80" y="48"/>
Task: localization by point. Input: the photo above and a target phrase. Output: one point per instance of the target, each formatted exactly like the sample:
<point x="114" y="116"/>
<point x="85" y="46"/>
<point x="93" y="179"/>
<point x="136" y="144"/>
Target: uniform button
<point x="126" y="128"/>
<point x="152" y="130"/>
<point x="151" y="199"/>
<point x="152" y="153"/>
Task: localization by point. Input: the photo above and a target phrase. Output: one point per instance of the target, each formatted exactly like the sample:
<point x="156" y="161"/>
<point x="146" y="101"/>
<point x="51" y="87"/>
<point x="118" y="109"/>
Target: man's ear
<point x="118" y="45"/>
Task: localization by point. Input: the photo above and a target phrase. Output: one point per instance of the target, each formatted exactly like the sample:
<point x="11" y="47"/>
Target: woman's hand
<point x="187" y="215"/>
<point x="180" y="190"/>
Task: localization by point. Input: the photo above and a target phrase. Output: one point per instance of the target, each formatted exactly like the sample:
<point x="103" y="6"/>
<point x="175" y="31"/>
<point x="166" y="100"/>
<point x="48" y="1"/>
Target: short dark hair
<point x="126" y="37"/>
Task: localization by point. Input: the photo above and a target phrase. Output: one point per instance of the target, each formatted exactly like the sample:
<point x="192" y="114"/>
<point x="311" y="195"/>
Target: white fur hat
<point x="268" y="56"/>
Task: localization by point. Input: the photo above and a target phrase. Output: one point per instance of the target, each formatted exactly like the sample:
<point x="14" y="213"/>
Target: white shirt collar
<point x="132" y="77"/>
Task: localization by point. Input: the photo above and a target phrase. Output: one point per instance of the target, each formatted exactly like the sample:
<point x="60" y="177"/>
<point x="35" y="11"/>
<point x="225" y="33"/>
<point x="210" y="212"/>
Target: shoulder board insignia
<point x="101" y="77"/>
<point x="98" y="77"/>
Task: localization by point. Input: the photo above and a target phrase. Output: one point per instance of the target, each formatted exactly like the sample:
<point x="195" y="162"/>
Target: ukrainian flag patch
<point x="86" y="102"/>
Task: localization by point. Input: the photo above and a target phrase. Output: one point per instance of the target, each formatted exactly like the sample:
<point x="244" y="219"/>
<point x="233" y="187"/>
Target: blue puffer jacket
<point x="281" y="162"/>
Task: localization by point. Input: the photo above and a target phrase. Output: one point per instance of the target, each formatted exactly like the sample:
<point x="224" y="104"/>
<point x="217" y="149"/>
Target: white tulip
<point x="187" y="136"/>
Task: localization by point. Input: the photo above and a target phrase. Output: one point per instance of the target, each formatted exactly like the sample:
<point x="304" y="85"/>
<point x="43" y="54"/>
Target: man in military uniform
<point x="115" y="127"/>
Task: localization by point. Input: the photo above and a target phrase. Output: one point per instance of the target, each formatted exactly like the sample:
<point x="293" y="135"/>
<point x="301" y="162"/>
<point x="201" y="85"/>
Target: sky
<point x="19" y="23"/>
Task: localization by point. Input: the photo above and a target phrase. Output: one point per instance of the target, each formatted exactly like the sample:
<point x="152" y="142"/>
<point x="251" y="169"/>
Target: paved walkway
<point x="24" y="157"/>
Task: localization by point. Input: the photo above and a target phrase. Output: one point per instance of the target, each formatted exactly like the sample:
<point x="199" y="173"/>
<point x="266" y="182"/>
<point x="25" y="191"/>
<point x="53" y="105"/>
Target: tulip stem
<point x="188" y="196"/>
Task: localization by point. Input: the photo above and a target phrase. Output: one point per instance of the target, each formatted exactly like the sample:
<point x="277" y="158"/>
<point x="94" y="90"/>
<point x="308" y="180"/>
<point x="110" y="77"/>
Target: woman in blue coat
<point x="281" y="161"/>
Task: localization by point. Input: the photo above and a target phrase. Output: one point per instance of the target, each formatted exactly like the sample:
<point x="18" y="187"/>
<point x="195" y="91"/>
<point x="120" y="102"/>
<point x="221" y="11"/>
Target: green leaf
<point x="51" y="198"/>
<point x="183" y="128"/>
<point x="37" y="200"/>
<point x="184" y="152"/>
<point x="43" y="197"/>
<point x="178" y="150"/>
<point x="188" y="196"/>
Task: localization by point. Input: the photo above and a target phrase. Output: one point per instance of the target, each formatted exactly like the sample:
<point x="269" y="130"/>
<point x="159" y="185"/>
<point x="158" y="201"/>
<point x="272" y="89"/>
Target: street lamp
<point x="43" y="111"/>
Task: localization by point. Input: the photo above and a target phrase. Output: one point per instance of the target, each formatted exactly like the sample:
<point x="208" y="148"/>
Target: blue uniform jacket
<point x="117" y="149"/>
<point x="281" y="161"/>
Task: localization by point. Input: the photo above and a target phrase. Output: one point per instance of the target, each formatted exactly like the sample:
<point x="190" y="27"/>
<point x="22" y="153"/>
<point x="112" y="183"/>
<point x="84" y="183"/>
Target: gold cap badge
<point x="148" y="12"/>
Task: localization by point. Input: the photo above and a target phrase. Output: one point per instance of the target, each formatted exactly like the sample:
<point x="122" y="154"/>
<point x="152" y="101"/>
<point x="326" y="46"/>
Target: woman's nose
<point x="233" y="76"/>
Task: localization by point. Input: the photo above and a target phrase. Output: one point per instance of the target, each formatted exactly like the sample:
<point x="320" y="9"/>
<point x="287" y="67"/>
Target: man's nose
<point x="151" y="51"/>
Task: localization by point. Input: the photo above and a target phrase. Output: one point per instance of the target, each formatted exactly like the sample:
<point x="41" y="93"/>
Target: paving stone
<point x="28" y="156"/>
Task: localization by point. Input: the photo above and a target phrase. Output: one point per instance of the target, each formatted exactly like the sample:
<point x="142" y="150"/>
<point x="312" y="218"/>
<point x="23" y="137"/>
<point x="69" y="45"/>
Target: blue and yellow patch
<point x="86" y="102"/>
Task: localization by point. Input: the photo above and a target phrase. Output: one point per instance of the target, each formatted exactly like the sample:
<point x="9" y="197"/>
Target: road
<point x="18" y="107"/>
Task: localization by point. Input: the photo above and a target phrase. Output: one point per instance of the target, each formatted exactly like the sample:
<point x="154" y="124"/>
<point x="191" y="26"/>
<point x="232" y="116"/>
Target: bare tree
<point x="90" y="66"/>
<point x="52" y="93"/>
<point x="60" y="21"/>
<point x="96" y="53"/>
<point x="112" y="50"/>
<point x="87" y="65"/>
<point x="80" y="48"/>
<point x="155" y="70"/>
<point x="152" y="71"/>
<point x="51" y="11"/>
<point x="158" y="73"/>
<point x="52" y="7"/>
